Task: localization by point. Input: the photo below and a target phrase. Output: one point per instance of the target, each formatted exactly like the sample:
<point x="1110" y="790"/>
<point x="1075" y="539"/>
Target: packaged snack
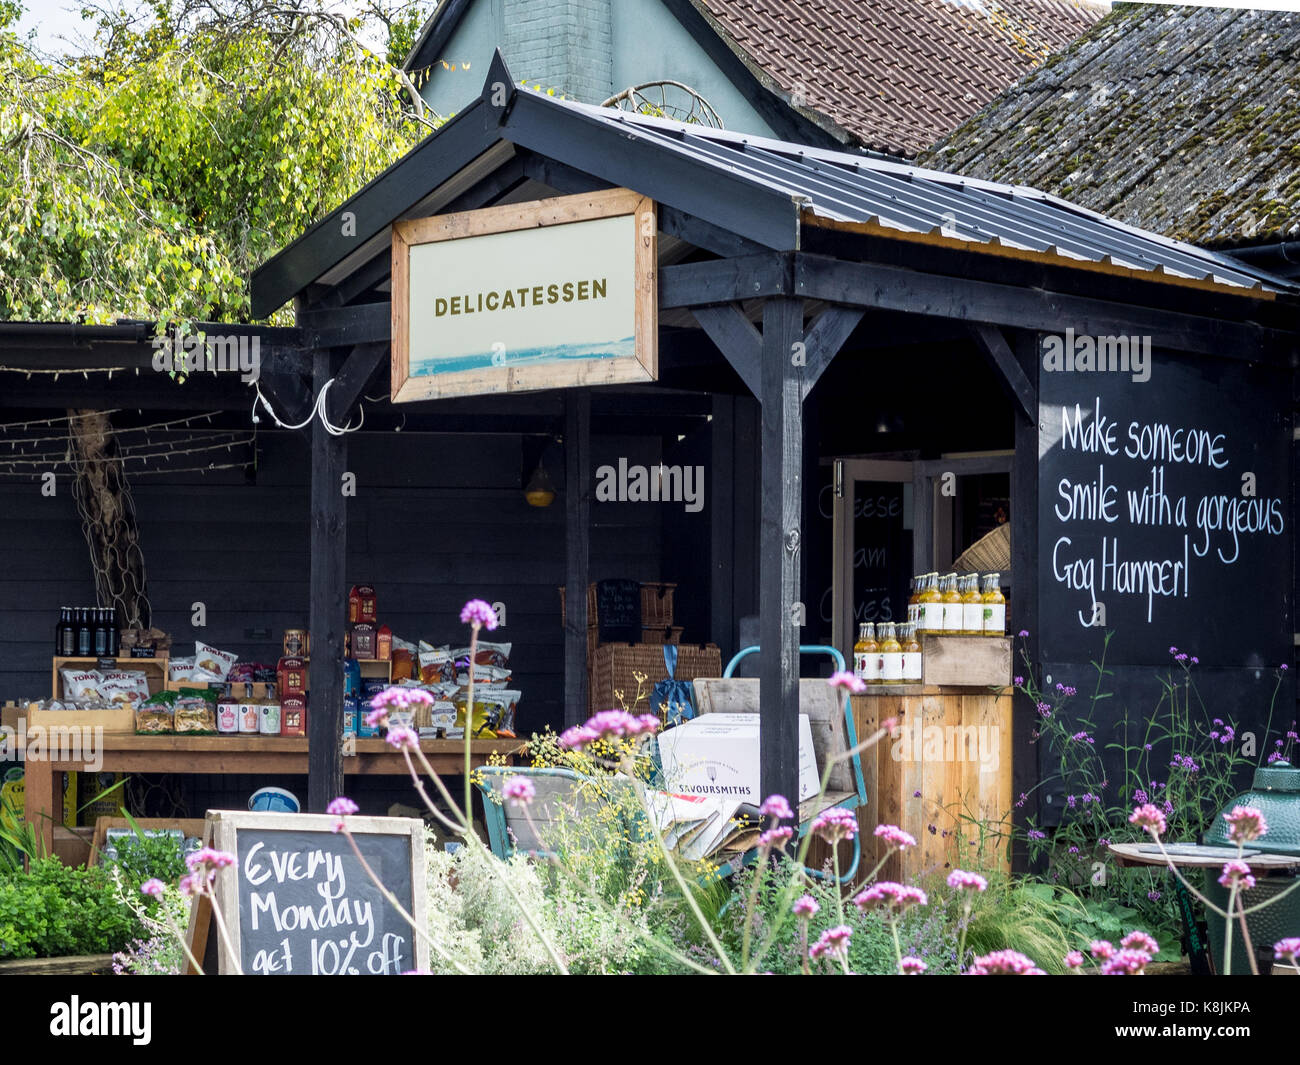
<point x="179" y="669"/>
<point x="403" y="667"/>
<point x="201" y="678"/>
<point x="242" y="673"/>
<point x="208" y="658"/>
<point x="501" y="703"/>
<point x="195" y="711"/>
<point x="155" y="714"/>
<point x="436" y="666"/>
<point x="297" y="644"/>
<point x="82" y="683"/>
<point x="125" y="687"/>
<point x="487" y="676"/>
<point x="482" y="712"/>
<point x="405" y="645"/>
<point x="264" y="674"/>
<point x="384" y="643"/>
<point x="485" y="653"/>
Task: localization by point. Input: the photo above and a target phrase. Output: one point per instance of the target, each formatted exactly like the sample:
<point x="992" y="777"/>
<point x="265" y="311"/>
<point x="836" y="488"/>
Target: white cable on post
<point x="317" y="410"/>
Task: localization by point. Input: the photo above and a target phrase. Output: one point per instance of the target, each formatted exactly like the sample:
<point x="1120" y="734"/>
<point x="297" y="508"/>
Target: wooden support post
<point x="1023" y="613"/>
<point x="577" y="544"/>
<point x="722" y="524"/>
<point x="329" y="548"/>
<point x="779" y="545"/>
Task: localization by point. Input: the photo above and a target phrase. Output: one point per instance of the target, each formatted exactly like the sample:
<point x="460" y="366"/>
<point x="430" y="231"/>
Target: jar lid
<point x="1280" y="776"/>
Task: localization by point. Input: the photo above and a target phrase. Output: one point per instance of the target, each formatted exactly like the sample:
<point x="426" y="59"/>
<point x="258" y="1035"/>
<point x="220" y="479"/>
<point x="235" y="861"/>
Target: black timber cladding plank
<point x="724" y="280"/>
<point x="994" y="347"/>
<point x="735" y="336"/>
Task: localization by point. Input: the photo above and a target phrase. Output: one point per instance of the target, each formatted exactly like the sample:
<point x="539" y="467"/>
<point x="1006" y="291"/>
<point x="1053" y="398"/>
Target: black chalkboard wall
<point x="1168" y="503"/>
<point x="306" y="906"/>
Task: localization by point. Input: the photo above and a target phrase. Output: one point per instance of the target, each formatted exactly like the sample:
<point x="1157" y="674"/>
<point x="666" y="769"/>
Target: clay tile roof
<point x="899" y="74"/>
<point x="1178" y="120"/>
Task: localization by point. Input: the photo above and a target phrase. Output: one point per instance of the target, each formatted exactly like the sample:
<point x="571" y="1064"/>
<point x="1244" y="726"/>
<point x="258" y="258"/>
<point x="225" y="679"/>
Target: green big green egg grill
<point x="1275" y="792"/>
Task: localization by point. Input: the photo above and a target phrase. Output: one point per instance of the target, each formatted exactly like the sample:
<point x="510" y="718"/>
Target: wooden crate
<point x="965" y="661"/>
<point x="615" y="663"/>
<point x="657" y="604"/>
<point x="662" y="634"/>
<point x="947" y="765"/>
<point x="154" y="669"/>
<point x="117" y="720"/>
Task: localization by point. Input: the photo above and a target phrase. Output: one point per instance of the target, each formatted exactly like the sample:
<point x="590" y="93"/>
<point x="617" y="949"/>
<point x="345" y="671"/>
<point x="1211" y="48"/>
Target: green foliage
<point x="1021" y="914"/>
<point x="54" y="910"/>
<point x="146" y="855"/>
<point x="19" y="840"/>
<point x="925" y="933"/>
<point x="148" y="180"/>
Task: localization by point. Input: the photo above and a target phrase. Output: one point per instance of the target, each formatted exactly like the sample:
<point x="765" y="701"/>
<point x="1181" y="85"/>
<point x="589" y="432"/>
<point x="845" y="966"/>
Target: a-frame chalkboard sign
<point x="298" y="901"/>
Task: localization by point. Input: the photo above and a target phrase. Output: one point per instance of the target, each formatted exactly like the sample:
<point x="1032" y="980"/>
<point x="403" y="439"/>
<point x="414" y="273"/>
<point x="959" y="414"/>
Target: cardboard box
<point x="717" y="754"/>
<point x="94" y="802"/>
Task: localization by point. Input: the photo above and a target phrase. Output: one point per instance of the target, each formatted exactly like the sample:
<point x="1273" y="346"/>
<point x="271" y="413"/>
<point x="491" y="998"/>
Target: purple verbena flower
<point x="776" y="806"/>
<point x="834" y="824"/>
<point x="1150" y="818"/>
<point x="892" y="896"/>
<point x="153" y="887"/>
<point x="519" y="790"/>
<point x="402" y="738"/>
<point x="1004" y="963"/>
<point x="833" y="943"/>
<point x="1287" y="950"/>
<point x="849" y="682"/>
<point x="341" y="807"/>
<point x="479" y="614"/>
<point x="1101" y="949"/>
<point x="806" y="907"/>
<point x="209" y="858"/>
<point x="961" y="880"/>
<point x="1140" y="941"/>
<point x="1074" y="959"/>
<point x="895" y="836"/>
<point x="1125" y="963"/>
<point x="910" y="966"/>
<point x="1245" y="824"/>
<point x="776" y="837"/>
<point x="1237" y="872"/>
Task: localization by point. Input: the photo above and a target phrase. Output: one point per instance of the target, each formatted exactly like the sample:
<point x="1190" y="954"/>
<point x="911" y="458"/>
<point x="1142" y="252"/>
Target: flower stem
<point x="469" y="725"/>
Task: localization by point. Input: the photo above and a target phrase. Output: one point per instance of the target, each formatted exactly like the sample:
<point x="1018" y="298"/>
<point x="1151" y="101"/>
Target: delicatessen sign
<point x="552" y="294"/>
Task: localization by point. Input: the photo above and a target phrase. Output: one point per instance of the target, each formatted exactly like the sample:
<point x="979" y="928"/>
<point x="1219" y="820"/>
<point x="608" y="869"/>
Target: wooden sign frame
<point x="561" y="373"/>
<point x="222" y="832"/>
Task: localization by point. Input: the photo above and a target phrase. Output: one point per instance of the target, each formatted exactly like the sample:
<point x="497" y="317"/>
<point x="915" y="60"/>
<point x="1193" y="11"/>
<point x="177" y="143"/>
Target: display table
<point x="129" y="753"/>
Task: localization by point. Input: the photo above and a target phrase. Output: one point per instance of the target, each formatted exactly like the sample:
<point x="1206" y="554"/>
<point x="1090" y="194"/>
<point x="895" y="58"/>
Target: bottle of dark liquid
<point x="85" y="638"/>
<point x="101" y="633"/>
<point x="61" y="633"/>
<point x="113" y="647"/>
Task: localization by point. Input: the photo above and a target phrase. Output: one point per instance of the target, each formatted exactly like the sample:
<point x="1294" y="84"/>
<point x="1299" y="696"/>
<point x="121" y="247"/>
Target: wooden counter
<point x="129" y="753"/>
<point x="947" y="764"/>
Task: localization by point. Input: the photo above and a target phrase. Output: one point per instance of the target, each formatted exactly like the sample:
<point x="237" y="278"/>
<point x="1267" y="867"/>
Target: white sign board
<point x="550" y="294"/>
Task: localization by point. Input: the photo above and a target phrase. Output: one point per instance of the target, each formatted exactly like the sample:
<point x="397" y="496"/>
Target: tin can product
<point x="296" y="643"/>
<point x="269" y="719"/>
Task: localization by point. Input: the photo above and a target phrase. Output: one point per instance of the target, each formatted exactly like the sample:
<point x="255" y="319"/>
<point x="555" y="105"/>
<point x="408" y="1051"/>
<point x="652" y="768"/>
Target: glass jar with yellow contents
<point x="972" y="606"/>
<point x="929" y="606"/>
<point x="952" y="606"/>
<point x="891" y="656"/>
<point x="865" y="650"/>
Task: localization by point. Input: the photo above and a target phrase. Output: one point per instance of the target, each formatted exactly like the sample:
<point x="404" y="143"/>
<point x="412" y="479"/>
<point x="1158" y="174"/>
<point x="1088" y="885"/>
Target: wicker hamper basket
<point x="615" y="663"/>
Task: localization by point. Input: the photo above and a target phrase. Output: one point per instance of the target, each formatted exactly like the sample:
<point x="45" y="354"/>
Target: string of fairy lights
<point x="31" y="448"/>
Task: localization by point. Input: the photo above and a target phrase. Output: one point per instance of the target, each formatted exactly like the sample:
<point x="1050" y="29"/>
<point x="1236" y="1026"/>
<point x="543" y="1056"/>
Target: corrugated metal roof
<point x="843" y="187"/>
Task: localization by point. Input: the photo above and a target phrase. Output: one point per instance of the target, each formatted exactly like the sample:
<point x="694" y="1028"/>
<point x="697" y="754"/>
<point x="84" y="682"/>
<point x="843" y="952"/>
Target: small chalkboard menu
<point x="618" y="610"/>
<point x="1164" y="507"/>
<point x="298" y="901"/>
